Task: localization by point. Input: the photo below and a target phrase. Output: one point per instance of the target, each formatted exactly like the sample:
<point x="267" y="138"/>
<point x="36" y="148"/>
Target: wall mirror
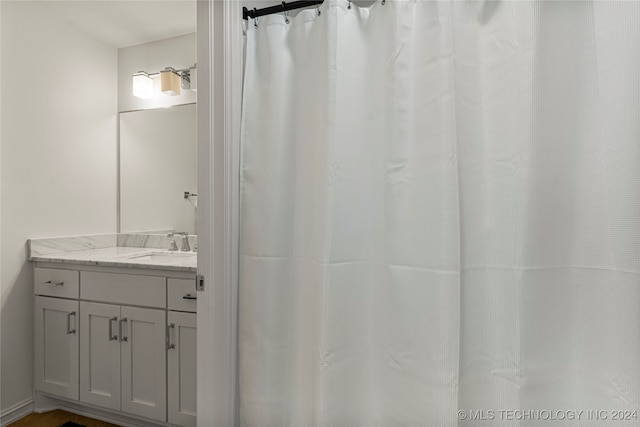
<point x="158" y="176"/>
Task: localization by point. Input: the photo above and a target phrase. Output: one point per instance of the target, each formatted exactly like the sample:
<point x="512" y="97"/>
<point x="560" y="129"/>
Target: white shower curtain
<point x="441" y="216"/>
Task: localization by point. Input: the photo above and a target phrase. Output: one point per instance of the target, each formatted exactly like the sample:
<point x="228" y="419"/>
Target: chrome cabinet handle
<point x="111" y="336"/>
<point x="52" y="283"/>
<point x="122" y="336"/>
<point x="69" y="330"/>
<point x="189" y="296"/>
<point x="170" y="345"/>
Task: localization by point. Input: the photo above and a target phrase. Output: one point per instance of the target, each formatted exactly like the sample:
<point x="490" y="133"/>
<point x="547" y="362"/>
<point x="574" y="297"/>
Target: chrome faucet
<point x="172" y="242"/>
<point x="184" y="246"/>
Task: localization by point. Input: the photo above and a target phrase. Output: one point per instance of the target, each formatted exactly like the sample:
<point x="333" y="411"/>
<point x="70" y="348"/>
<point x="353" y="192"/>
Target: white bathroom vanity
<point x="115" y="329"/>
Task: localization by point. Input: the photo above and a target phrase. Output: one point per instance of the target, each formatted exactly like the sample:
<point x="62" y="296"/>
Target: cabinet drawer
<point x="127" y="289"/>
<point x="56" y="283"/>
<point x="182" y="294"/>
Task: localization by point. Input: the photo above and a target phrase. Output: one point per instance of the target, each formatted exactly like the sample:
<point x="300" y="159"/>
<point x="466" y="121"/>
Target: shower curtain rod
<point x="283" y="7"/>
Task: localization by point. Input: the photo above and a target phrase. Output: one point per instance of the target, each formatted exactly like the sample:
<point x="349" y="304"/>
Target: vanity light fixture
<point x="172" y="81"/>
<point x="142" y="85"/>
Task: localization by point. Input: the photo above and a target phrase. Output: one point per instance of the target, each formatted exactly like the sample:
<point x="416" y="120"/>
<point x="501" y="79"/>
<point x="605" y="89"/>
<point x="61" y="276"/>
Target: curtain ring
<point x="255" y="18"/>
<point x="284" y="12"/>
<point x="349" y="7"/>
<point x="319" y="13"/>
<point x="383" y="2"/>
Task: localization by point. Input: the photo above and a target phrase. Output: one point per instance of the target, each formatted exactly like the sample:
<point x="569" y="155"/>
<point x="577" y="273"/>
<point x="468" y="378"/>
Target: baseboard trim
<point x="100" y="415"/>
<point x="15" y="412"/>
<point x="47" y="403"/>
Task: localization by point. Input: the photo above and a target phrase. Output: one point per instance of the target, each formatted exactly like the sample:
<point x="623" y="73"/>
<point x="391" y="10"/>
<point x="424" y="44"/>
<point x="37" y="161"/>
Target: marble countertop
<point x="104" y="251"/>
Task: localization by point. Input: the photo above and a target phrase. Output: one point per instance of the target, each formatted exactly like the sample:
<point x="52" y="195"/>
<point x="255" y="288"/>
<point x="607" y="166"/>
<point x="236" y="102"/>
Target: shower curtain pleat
<point x="441" y="215"/>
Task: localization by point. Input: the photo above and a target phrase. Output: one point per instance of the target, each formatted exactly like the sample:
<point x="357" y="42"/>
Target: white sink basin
<point x="163" y="256"/>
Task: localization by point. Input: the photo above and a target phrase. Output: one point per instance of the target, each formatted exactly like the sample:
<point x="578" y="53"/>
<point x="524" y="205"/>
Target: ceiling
<point x="122" y="23"/>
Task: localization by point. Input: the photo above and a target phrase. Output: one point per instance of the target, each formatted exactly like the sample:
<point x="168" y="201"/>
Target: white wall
<point x="177" y="52"/>
<point x="58" y="165"/>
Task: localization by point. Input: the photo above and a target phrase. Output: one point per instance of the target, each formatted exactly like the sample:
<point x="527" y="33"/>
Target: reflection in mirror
<point x="158" y="170"/>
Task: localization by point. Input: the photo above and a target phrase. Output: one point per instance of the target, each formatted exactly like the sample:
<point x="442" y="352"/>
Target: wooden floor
<point x="56" y="419"/>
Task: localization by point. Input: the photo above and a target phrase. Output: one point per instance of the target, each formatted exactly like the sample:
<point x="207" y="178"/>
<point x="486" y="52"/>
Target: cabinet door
<point x="181" y="360"/>
<point x="144" y="379"/>
<point x="100" y="354"/>
<point x="56" y="347"/>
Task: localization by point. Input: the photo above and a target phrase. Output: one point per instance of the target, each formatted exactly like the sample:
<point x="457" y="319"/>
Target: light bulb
<point x="142" y="85"/>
